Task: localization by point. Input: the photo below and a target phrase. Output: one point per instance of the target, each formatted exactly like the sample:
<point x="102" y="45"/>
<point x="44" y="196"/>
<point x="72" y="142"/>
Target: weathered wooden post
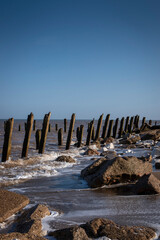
<point x="19" y="127"/>
<point x="143" y="121"/>
<point x="25" y="126"/>
<point x="7" y="139"/>
<point x="65" y="125"/>
<point x="126" y="124"/>
<point x="77" y="132"/>
<point x="80" y="136"/>
<point x="38" y="138"/>
<point x="27" y="135"/>
<point x="121" y="128"/>
<point x="130" y="127"/>
<point x="137" y="122"/>
<point x="93" y="133"/>
<point x="104" y="133"/>
<point x="49" y="128"/>
<point x="115" y="128"/>
<point x="34" y="125"/>
<point x="60" y="137"/>
<point x="70" y="132"/>
<point x="99" y="124"/>
<point x="56" y="127"/>
<point x="89" y="135"/>
<point x="44" y="132"/>
<point x="110" y="128"/>
<point x="5" y="125"/>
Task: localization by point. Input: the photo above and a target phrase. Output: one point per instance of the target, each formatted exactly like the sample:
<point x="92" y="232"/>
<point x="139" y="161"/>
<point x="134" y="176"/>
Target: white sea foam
<point x="46" y="220"/>
<point x="110" y="146"/>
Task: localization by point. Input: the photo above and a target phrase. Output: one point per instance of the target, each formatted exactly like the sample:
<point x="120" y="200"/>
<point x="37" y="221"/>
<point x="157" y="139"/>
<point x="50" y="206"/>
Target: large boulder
<point x="147" y="184"/>
<point x="91" y="152"/>
<point x="64" y="158"/>
<point x="151" y="135"/>
<point x="118" y="170"/>
<point x="101" y="227"/>
<point x="11" y="203"/>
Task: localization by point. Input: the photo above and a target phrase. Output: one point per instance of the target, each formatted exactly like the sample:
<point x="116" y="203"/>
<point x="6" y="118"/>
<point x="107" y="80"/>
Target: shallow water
<point x="60" y="186"/>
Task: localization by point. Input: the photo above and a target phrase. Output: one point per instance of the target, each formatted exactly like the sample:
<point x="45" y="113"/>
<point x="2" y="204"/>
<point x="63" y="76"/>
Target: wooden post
<point x="44" y="132"/>
<point x="130" y="125"/>
<point x="25" y="126"/>
<point x="60" y="137"/>
<point x="77" y="132"/>
<point x="7" y="139"/>
<point x="143" y="121"/>
<point x="38" y="138"/>
<point x="137" y="122"/>
<point x="49" y="128"/>
<point x="150" y="122"/>
<point x="89" y="135"/>
<point x="115" y="128"/>
<point x="27" y="135"/>
<point x="110" y="128"/>
<point x="80" y="136"/>
<point x="121" y="128"/>
<point x="70" y="132"/>
<point x="56" y="127"/>
<point x="126" y="124"/>
<point x="34" y="125"/>
<point x="65" y="125"/>
<point x="5" y="125"/>
<point x="99" y="127"/>
<point x="104" y="133"/>
<point x="19" y="127"/>
<point x="93" y="133"/>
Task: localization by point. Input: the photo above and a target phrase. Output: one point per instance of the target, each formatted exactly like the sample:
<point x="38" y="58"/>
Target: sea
<point x="61" y="187"/>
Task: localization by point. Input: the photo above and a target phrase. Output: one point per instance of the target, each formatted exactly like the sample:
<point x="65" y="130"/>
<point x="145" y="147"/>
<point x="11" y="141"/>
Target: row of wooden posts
<point x="41" y="135"/>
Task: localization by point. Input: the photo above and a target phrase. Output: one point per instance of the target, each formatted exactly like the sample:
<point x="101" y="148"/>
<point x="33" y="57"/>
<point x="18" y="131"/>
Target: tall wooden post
<point x="65" y="125"/>
<point x="56" y="127"/>
<point x="89" y="134"/>
<point x="70" y="132"/>
<point x="38" y="138"/>
<point x="104" y="133"/>
<point x="27" y="135"/>
<point x="19" y="127"/>
<point x="121" y="128"/>
<point x="60" y="137"/>
<point x="93" y="133"/>
<point x="34" y="125"/>
<point x="49" y="128"/>
<point x="131" y="125"/>
<point x="143" y="121"/>
<point x="110" y="128"/>
<point x="115" y="128"/>
<point x="80" y="136"/>
<point x="99" y="124"/>
<point x="126" y="124"/>
<point x="44" y="132"/>
<point x="7" y="139"/>
<point x="77" y="132"/>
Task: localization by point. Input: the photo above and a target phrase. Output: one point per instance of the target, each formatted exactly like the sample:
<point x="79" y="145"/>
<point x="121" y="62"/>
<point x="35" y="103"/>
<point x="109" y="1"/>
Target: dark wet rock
<point x="147" y="184"/>
<point x="73" y="233"/>
<point x="151" y="135"/>
<point x="157" y="164"/>
<point x="30" y="221"/>
<point x="109" y="154"/>
<point x="130" y="139"/>
<point x="103" y="227"/>
<point x="97" y="143"/>
<point x="118" y="170"/>
<point x="64" y="158"/>
<point x="108" y="140"/>
<point x="145" y="127"/>
<point x="91" y="152"/>
<point x="155" y="127"/>
<point x="11" y="203"/>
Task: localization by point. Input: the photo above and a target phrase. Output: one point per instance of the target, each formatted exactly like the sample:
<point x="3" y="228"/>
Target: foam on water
<point x="46" y="222"/>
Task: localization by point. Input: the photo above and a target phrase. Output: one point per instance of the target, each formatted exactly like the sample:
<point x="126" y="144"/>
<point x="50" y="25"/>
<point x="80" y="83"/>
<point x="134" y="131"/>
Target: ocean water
<point x="61" y="188"/>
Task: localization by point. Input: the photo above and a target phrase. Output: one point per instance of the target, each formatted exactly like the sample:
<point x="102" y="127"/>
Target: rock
<point x="152" y="134"/>
<point x="157" y="165"/>
<point x="64" y="158"/>
<point x="103" y="227"/>
<point x="73" y="233"/>
<point x="109" y="154"/>
<point x="91" y="152"/>
<point x="147" y="184"/>
<point x="30" y="221"/>
<point x="11" y="203"/>
<point x="130" y="139"/>
<point x="19" y="236"/>
<point x="146" y="158"/>
<point x="145" y="127"/>
<point x="118" y="170"/>
<point x="108" y="140"/>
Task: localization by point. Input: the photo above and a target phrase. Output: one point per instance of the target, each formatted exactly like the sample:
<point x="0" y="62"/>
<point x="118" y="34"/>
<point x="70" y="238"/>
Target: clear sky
<point x="83" y="56"/>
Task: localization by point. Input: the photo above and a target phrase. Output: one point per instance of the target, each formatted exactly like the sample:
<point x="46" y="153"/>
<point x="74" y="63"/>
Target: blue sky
<point x="83" y="56"/>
